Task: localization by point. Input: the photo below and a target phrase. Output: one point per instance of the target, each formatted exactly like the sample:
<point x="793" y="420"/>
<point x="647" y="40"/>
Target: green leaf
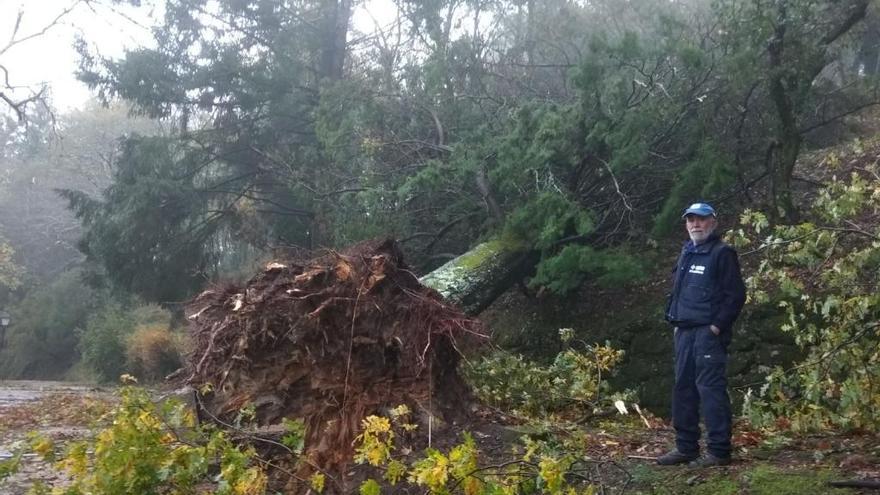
<point x="370" y="487"/>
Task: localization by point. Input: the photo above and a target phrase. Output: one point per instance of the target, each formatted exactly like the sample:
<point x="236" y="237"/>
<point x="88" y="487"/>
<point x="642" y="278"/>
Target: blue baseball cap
<point x="699" y="209"/>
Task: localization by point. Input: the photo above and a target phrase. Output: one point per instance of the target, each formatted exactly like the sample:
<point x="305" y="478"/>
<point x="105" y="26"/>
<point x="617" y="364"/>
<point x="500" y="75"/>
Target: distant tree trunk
<point x="333" y="51"/>
<point x="867" y="60"/>
<point x="788" y="86"/>
<point x="485" y="188"/>
<point x="782" y="169"/>
<point x="531" y="20"/>
<point x="788" y="137"/>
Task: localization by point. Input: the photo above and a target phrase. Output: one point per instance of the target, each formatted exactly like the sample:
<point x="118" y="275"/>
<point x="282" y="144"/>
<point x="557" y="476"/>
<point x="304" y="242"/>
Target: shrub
<point x="151" y="448"/>
<point x="152" y="352"/>
<point x="101" y="342"/>
<point x="151" y="315"/>
<point x="126" y="338"/>
<point x="822" y="275"/>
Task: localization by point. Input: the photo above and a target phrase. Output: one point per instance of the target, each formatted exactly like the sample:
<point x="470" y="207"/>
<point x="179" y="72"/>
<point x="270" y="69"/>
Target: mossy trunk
<point x="476" y="278"/>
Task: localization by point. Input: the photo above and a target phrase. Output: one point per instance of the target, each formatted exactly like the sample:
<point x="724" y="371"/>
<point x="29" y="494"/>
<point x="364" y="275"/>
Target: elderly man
<point x="707" y="296"/>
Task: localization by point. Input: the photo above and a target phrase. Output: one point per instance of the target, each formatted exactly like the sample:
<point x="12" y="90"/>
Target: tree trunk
<point x="485" y="189"/>
<point x="333" y="51"/>
<point x="788" y="87"/>
<point x="788" y="136"/>
<point x="780" y="177"/>
<point x="476" y="278"/>
<point x="531" y="20"/>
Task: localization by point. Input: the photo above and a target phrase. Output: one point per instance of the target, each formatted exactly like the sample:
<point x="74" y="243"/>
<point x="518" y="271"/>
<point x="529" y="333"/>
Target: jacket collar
<point x="704" y="247"/>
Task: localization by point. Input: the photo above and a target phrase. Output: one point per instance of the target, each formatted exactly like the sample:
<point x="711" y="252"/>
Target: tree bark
<point x="789" y="139"/>
<point x="475" y="279"/>
<point x="333" y="51"/>
<point x="488" y="196"/>
<point x="787" y="93"/>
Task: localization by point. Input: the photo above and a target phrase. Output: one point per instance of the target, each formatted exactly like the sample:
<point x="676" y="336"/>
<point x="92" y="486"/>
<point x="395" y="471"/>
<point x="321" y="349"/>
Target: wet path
<point x="18" y="391"/>
<point x="54" y="410"/>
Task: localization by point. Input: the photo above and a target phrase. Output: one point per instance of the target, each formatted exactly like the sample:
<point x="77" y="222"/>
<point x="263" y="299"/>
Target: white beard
<point x="700" y="237"/>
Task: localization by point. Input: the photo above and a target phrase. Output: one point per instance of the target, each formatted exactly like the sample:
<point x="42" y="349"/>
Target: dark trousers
<point x="701" y="384"/>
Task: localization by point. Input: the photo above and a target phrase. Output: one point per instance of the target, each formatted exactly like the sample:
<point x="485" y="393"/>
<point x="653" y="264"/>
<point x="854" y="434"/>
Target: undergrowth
<point x="822" y="275"/>
<point x="573" y="386"/>
<point x="540" y="467"/>
<point x="150" y="448"/>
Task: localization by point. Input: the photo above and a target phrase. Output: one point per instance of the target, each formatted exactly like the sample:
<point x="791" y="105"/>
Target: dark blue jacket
<point x="707" y="287"/>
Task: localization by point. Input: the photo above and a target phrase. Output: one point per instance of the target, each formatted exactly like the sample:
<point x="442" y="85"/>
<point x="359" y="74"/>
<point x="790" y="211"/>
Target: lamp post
<point x="4" y="322"/>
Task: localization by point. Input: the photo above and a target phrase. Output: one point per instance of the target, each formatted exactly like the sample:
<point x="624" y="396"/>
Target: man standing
<point x="707" y="296"/>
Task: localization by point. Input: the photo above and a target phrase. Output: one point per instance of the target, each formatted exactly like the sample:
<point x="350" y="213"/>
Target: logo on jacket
<point x="698" y="269"/>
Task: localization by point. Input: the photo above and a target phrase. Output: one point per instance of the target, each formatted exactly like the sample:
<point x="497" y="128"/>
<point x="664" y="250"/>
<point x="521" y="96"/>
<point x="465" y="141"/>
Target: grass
<point x="764" y="479"/>
<point x="760" y="479"/>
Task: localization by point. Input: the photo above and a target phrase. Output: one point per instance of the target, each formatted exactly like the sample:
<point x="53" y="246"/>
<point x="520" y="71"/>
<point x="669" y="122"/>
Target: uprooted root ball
<point x="330" y="341"/>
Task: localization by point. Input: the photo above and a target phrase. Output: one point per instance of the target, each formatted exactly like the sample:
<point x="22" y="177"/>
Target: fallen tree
<point x="476" y="278"/>
<point x="329" y="341"/>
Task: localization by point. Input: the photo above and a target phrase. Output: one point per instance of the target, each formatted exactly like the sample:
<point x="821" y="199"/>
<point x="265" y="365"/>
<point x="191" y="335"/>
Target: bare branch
<point x="13" y="42"/>
<point x="617" y="186"/>
<point x="18" y="106"/>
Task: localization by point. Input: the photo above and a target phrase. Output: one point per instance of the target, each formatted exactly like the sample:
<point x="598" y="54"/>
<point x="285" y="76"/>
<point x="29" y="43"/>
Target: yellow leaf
<point x="317" y="482"/>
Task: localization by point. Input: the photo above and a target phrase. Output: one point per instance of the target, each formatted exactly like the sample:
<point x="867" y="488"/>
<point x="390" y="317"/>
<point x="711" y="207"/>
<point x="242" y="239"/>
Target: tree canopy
<point x="577" y="129"/>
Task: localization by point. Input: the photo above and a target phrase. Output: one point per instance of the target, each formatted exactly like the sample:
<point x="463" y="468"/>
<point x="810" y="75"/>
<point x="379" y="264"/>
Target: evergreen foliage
<point x="608" y="268"/>
<point x="42" y="341"/>
<point x="709" y="174"/>
<point x="594" y="134"/>
<point x="75" y="150"/>
<point x="150" y="230"/>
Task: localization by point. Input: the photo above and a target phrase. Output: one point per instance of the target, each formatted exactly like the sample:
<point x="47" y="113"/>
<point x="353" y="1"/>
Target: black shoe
<point x="675" y="457"/>
<point x="709" y="460"/>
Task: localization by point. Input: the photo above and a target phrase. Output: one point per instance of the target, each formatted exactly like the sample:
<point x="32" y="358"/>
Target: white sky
<point x="52" y="59"/>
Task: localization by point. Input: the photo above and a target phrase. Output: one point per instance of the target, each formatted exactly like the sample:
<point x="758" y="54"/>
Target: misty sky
<point x="50" y="58"/>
